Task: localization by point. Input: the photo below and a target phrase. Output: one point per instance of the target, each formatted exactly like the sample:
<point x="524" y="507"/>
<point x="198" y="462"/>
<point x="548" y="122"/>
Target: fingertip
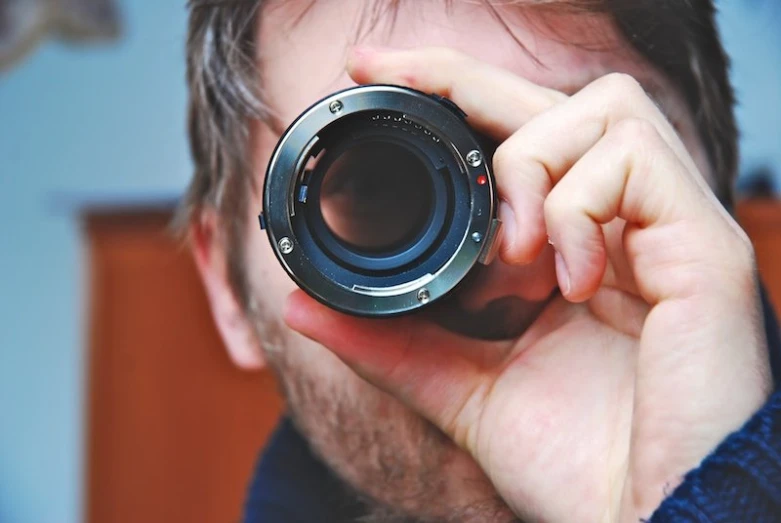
<point x="520" y="245"/>
<point x="299" y="310"/>
<point x="580" y="279"/>
<point x="361" y="60"/>
<point x="357" y="58"/>
<point x="357" y="54"/>
<point x="577" y="296"/>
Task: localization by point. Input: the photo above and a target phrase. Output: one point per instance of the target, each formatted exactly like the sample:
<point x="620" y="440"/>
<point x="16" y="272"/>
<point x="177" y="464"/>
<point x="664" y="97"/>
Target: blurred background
<point x="92" y="155"/>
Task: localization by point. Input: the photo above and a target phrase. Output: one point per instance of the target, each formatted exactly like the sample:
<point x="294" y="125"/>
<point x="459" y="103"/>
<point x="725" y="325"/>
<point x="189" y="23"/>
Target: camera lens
<point x="379" y="200"/>
<point x="376" y="197"/>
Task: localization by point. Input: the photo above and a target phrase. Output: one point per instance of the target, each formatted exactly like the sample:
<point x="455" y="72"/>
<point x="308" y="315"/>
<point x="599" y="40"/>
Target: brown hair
<point x="680" y="38"/>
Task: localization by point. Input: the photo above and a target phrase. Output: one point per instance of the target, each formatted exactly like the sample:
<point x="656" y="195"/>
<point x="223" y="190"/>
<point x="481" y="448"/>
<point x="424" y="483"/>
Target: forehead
<point x="303" y="44"/>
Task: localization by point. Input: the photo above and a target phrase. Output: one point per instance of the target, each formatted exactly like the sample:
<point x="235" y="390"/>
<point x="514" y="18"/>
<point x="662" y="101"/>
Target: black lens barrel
<point x="354" y="154"/>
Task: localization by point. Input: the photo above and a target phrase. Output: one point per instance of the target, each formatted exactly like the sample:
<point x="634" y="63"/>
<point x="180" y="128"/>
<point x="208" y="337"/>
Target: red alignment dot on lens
<point x="482" y="179"/>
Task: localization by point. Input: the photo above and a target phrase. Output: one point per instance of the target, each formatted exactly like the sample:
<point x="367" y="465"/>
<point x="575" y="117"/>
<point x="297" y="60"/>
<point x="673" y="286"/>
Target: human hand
<point x="654" y="351"/>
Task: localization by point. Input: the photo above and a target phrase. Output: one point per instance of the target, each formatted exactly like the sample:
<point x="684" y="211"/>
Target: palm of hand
<point x="560" y="410"/>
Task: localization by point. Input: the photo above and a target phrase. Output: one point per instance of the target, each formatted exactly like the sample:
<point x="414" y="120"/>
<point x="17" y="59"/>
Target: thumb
<point x="439" y="374"/>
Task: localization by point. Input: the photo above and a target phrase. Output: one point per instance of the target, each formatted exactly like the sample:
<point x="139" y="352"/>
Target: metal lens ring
<point x="385" y="264"/>
<point x="379" y="200"/>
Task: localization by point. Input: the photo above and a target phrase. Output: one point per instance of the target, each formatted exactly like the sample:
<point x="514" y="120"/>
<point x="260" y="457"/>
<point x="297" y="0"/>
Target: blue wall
<point x="110" y="121"/>
<point x="73" y="121"/>
<point x="751" y="36"/>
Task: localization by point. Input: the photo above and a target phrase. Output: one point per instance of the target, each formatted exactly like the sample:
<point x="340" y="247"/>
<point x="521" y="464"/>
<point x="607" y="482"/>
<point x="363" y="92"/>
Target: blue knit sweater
<point x="740" y="482"/>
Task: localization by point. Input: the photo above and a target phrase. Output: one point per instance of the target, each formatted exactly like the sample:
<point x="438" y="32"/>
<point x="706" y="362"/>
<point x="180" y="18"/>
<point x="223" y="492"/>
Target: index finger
<point x="496" y="101"/>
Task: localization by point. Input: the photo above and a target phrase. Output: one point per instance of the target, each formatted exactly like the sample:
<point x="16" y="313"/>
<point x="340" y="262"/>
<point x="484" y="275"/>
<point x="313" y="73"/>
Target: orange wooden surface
<point x="174" y="428"/>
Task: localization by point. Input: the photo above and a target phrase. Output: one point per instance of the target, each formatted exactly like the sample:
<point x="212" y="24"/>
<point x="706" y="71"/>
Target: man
<point x="626" y="334"/>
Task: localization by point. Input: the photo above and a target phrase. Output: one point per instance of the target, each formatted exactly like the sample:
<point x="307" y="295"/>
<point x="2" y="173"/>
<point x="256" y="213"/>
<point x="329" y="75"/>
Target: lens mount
<point x="379" y="200"/>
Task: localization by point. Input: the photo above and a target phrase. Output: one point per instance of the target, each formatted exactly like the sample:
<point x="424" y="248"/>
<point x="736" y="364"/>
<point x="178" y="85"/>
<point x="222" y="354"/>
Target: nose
<point x="531" y="283"/>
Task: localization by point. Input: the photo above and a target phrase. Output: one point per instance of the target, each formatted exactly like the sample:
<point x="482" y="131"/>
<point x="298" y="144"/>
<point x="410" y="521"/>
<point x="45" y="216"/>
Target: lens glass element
<point x="377" y="197"/>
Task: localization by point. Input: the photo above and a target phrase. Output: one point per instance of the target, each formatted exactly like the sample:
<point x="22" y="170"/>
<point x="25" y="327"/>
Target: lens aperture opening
<point x="377" y="197"/>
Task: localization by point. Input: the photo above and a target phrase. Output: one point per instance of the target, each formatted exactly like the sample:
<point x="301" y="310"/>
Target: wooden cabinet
<point x="174" y="428"/>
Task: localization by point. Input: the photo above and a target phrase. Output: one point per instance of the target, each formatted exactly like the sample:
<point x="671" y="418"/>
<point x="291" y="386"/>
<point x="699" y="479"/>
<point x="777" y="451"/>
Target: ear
<point x="232" y="323"/>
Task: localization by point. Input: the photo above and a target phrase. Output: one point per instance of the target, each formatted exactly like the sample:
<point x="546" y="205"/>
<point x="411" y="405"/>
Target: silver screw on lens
<point x="285" y="245"/>
<point x="477" y="237"/>
<point x="336" y="107"/>
<point x="474" y="158"/>
<point x="424" y="296"/>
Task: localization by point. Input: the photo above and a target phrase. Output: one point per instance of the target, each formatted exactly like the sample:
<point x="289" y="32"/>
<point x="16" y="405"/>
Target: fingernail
<point x="507" y="215"/>
<point x="563" y="274"/>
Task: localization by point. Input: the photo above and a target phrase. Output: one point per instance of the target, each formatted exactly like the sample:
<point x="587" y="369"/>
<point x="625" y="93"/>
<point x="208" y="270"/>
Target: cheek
<point x="296" y="359"/>
<point x="302" y="359"/>
<point x="270" y="283"/>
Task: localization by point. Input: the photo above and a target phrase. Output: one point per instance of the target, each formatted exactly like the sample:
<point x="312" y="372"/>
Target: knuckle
<point x="732" y="256"/>
<point x="745" y="271"/>
<point x="622" y="84"/>
<point x="504" y="157"/>
<point x="517" y="172"/>
<point x="555" y="207"/>
<point x="636" y="131"/>
<point x="746" y="253"/>
<point x="556" y="97"/>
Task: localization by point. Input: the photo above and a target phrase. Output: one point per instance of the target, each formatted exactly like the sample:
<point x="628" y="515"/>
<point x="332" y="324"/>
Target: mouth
<point x="501" y="319"/>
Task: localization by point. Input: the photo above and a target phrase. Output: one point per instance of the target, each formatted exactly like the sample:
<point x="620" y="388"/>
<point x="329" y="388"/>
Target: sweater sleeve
<point x="740" y="481"/>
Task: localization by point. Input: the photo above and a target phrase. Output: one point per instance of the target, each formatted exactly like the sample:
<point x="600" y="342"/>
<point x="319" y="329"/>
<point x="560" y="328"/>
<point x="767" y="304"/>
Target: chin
<point x="403" y="467"/>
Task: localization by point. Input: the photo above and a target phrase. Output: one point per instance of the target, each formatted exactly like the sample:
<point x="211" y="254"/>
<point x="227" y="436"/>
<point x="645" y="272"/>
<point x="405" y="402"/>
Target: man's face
<point x="368" y="438"/>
